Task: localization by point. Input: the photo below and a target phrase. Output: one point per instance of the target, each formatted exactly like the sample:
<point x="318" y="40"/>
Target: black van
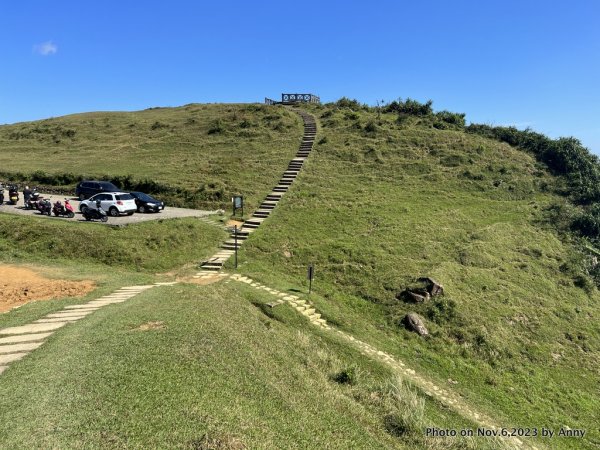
<point x="87" y="188"/>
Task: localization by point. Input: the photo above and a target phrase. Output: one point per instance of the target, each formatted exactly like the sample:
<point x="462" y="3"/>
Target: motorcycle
<point x="13" y="194"/>
<point x="44" y="207"/>
<point x="95" y="214"/>
<point x="33" y="200"/>
<point x="65" y="210"/>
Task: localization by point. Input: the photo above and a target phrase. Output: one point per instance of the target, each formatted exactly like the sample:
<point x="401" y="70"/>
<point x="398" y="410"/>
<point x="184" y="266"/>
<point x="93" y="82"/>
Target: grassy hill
<point x="213" y="374"/>
<point x="384" y="198"/>
<point x="194" y="155"/>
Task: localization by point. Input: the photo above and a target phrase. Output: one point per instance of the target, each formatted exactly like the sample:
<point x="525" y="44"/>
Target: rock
<point x="414" y="322"/>
<point x="433" y="287"/>
<point x="413" y="295"/>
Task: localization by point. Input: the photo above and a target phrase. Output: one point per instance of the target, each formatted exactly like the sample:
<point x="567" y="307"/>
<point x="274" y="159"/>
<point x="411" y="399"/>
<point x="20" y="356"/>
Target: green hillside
<point x="387" y="196"/>
<point x="194" y="155"/>
<point x="385" y="199"/>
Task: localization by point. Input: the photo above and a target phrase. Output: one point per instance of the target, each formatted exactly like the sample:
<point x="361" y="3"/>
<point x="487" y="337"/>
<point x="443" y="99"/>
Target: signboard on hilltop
<point x="299" y="98"/>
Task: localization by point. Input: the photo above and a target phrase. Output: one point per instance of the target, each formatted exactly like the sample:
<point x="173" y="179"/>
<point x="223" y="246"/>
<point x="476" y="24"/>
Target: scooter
<point x="65" y="210"/>
<point x="44" y="207"/>
<point x="33" y="199"/>
<point x="95" y="214"/>
<point x="13" y="194"/>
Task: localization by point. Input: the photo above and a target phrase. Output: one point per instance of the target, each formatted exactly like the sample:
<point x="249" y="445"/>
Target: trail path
<point x="443" y="395"/>
<point x="18" y="342"/>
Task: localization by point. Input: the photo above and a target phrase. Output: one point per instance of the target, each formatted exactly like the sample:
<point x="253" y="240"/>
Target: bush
<point x="371" y="127"/>
<point x="217" y="127"/>
<point x="351" y="104"/>
<point x="442" y="310"/>
<point x="410" y="107"/>
<point x="451" y="118"/>
<point x="346" y="376"/>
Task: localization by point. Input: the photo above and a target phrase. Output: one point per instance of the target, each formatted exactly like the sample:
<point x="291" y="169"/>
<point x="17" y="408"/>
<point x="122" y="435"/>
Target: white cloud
<point x="46" y="48"/>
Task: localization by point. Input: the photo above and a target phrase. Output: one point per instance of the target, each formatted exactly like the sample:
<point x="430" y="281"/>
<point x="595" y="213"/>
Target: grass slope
<point x="383" y="202"/>
<point x="216" y="373"/>
<point x="151" y="246"/>
<point x="207" y="151"/>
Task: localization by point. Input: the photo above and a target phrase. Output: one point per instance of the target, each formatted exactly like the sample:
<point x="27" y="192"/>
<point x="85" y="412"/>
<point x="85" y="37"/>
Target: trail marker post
<point x="311" y="275"/>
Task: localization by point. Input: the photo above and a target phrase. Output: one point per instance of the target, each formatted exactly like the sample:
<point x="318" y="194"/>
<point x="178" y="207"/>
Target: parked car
<point x="87" y="188"/>
<point x="147" y="203"/>
<point x="115" y="203"/>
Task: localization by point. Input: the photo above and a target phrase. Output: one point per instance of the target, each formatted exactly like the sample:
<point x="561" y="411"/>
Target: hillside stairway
<point x="216" y="262"/>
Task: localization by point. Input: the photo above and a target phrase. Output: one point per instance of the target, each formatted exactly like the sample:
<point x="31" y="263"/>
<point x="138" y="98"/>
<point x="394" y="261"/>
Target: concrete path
<point x="18" y="342"/>
<point x="215" y="262"/>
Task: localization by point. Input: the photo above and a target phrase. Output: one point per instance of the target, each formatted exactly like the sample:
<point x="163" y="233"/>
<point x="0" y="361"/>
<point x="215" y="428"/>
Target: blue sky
<point x="527" y="63"/>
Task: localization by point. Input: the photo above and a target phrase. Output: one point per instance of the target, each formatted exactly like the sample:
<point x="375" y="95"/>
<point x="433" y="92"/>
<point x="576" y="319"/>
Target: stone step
<point x="32" y="328"/>
<point x="240" y="237"/>
<point x="273" y="197"/>
<point x="254" y="220"/>
<point x="24" y="338"/>
<point x="209" y="265"/>
<point x="267" y="206"/>
<point x="5" y="359"/>
<point x="17" y="348"/>
<point x="309" y="311"/>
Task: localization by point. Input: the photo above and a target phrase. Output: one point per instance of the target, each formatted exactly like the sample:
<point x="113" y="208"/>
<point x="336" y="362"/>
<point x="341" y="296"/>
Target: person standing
<point x="26" y="195"/>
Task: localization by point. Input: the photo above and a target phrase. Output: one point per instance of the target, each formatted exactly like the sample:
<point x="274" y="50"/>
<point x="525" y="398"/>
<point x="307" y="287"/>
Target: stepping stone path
<point x="442" y="395"/>
<point x="215" y="262"/>
<point x="18" y="342"/>
<point x="302" y="306"/>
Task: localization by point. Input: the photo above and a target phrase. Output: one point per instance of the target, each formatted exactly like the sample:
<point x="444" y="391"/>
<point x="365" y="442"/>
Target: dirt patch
<point x="151" y="326"/>
<point x="19" y="286"/>
<point x="207" y="279"/>
<point x="232" y="223"/>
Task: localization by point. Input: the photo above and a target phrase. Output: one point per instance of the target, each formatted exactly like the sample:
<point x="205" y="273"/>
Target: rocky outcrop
<point x="433" y="287"/>
<point x="414" y="322"/>
<point x="414" y="295"/>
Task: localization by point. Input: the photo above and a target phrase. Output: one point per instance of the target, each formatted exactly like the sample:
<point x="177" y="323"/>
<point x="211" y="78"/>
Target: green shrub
<point x="217" y="127"/>
<point x="410" y="107"/>
<point x="351" y="104"/>
<point x="346" y="376"/>
<point x="451" y="118"/>
<point x="371" y="127"/>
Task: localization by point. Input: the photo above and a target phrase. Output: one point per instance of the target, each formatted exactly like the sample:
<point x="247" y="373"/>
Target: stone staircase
<point x="215" y="262"/>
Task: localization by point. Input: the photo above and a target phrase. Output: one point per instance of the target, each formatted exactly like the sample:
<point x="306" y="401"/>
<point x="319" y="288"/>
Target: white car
<point x="114" y="203"/>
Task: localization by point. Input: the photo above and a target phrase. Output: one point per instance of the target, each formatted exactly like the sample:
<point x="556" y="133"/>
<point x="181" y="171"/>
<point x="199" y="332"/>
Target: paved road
<point x="168" y="213"/>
